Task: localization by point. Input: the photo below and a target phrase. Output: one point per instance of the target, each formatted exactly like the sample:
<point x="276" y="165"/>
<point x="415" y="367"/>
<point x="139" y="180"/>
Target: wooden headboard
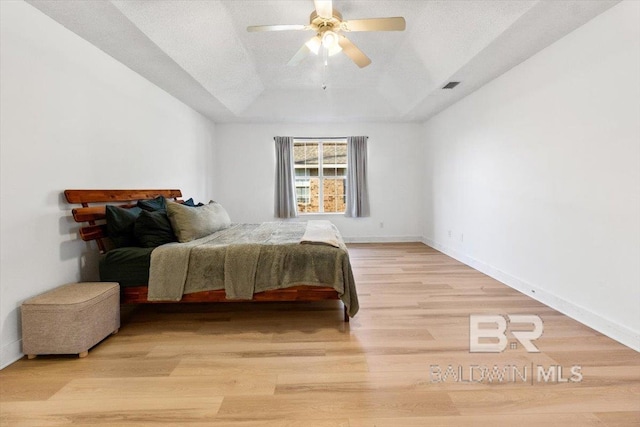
<point x="91" y="214"/>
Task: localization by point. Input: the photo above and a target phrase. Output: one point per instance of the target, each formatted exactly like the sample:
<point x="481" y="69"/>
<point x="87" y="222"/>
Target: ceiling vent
<point x="451" y="85"/>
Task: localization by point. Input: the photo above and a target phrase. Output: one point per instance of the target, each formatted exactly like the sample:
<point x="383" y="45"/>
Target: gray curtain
<point x="285" y="206"/>
<point x="357" y="193"/>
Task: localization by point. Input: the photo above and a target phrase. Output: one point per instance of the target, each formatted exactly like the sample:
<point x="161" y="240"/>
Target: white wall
<point x="245" y="175"/>
<point x="540" y="172"/>
<point x="73" y="117"/>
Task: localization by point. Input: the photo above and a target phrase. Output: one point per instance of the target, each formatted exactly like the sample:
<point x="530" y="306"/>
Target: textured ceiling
<point x="201" y="53"/>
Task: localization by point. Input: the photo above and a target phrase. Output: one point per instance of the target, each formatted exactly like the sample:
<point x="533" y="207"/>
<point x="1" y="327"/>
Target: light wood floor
<point x="300" y="365"/>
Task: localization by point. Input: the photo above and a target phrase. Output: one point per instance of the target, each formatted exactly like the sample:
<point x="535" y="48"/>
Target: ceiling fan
<point x="328" y="24"/>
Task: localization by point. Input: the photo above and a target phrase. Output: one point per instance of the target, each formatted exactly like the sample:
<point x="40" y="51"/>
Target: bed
<point x="242" y="262"/>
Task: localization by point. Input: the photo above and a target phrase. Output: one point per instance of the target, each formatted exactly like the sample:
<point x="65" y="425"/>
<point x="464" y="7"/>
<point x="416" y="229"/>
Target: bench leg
<point x="115" y="332"/>
<point x="346" y="315"/>
<point x="31" y="356"/>
<point x="83" y="354"/>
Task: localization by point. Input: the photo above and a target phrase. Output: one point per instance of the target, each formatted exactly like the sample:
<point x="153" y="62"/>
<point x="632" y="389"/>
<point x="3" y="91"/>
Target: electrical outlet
<point x="461" y="237"/>
<point x="449" y="233"/>
<point x="381" y="224"/>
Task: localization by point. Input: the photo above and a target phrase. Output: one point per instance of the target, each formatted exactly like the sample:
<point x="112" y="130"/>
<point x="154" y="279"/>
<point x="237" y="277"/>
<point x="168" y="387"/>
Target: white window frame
<point x="320" y="142"/>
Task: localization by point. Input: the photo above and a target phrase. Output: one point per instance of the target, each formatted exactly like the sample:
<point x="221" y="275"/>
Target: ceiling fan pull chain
<point x="325" y="63"/>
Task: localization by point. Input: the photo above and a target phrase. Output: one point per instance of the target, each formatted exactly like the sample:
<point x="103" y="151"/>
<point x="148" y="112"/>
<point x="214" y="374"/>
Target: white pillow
<point x="190" y="223"/>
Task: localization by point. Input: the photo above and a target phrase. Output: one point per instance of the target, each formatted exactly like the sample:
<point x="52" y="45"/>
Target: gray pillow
<point x="190" y="223"/>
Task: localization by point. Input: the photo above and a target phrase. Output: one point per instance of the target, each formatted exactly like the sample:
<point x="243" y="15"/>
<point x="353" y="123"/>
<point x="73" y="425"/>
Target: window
<point x="321" y="173"/>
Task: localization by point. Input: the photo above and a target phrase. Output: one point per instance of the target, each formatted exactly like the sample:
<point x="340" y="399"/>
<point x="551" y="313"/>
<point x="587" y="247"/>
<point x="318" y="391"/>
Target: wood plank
<point x="150" y="387"/>
<point x="620" y="419"/>
<point x="138" y="295"/>
<point x="549" y="399"/>
<point x="523" y="420"/>
<point x="107" y="196"/>
<point x="93" y="232"/>
<point x="112" y="412"/>
<point x="328" y="405"/>
<point x="92" y="213"/>
<point x="201" y="365"/>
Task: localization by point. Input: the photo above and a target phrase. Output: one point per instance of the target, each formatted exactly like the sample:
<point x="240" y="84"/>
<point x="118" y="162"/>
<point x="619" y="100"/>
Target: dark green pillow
<point x="189" y="202"/>
<point x="152" y="205"/>
<point x="120" y="223"/>
<point x="153" y="229"/>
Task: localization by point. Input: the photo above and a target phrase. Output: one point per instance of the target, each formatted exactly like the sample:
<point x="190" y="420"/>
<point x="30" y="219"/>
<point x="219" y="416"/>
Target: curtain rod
<point x="319" y="137"/>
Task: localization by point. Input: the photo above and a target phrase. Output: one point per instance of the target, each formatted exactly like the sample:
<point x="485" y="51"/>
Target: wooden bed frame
<point x="96" y="230"/>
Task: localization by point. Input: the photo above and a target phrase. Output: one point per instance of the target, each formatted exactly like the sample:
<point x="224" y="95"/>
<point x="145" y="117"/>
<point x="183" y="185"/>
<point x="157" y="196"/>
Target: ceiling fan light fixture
<point x="330" y="40"/>
<point x="331" y="43"/>
<point x="314" y="44"/>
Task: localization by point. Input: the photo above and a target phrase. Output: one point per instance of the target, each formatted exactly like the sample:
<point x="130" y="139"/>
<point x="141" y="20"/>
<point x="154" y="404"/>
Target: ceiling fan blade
<point x="258" y="28"/>
<point x="375" y="24"/>
<point x="352" y="51"/>
<point x="324" y="8"/>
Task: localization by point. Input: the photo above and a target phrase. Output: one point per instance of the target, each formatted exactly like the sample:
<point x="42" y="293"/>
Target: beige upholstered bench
<point x="70" y="319"/>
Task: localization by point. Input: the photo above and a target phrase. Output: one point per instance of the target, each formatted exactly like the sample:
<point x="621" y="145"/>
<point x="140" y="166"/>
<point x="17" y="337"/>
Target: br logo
<point x="487" y="333"/>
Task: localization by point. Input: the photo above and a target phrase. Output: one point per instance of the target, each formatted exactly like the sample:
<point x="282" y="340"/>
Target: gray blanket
<point x="248" y="258"/>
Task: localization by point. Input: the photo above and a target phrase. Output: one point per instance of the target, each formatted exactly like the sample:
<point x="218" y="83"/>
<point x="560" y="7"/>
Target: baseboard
<point x="10" y="353"/>
<point x="613" y="330"/>
<point x="383" y="239"/>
